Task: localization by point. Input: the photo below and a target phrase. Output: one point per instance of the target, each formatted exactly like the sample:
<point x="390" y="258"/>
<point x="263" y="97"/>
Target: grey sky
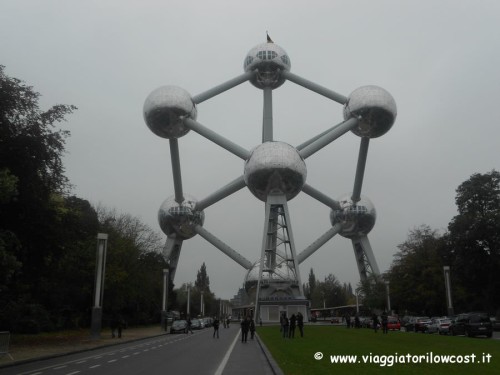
<point x="439" y="59"/>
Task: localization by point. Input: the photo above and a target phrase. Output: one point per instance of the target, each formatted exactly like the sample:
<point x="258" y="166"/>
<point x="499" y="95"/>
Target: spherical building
<point x="180" y="219"/>
<point x="357" y="219"/>
<point x="269" y="60"/>
<point x="164" y="111"/>
<point x="275" y="167"/>
<point x="374" y="107"/>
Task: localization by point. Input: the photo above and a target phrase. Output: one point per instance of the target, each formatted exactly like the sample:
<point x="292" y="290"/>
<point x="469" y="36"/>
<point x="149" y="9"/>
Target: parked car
<point x="495" y="323"/>
<point x="439" y="325"/>
<point x="179" y="326"/>
<point x="196" y="324"/>
<point x="393" y="323"/>
<point x="208" y="321"/>
<point x="417" y="324"/>
<point x="472" y="324"/>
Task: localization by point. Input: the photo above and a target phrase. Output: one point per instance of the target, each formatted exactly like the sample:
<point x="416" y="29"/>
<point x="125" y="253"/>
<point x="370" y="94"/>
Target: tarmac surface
<point x="31" y="348"/>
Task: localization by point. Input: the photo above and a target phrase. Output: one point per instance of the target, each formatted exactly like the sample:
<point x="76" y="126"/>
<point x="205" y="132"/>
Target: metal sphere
<point x="356" y="219"/>
<point x="180" y="219"/>
<point x="164" y="110"/>
<point x="275" y="167"/>
<point x="269" y="60"/>
<point x="375" y="108"/>
<point x="280" y="276"/>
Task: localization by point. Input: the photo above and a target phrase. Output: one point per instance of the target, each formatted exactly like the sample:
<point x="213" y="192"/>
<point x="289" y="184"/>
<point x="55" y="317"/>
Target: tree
<point x="373" y="292"/>
<point x="202" y="282"/>
<point x="416" y="274"/>
<point x="474" y="243"/>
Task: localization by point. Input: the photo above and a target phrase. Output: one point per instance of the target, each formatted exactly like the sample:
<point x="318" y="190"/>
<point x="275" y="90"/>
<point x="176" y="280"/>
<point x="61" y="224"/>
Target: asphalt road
<point x="197" y="353"/>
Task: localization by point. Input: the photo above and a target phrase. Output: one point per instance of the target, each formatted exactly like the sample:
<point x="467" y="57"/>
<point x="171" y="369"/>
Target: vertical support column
<point x="367" y="265"/>
<point x="267" y="123"/>
<point x="100" y="271"/>
<point x="447" y="284"/>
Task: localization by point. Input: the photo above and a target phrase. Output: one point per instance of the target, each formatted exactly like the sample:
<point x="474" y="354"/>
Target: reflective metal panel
<point x="269" y="60"/>
<point x="374" y="107"/>
<point x="356" y="219"/>
<point x="180" y="218"/>
<point x="164" y="110"/>
<point x="275" y="167"/>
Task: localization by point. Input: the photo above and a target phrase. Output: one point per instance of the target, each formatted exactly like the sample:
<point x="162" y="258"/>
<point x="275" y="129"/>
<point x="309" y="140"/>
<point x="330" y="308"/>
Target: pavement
<point x="29" y="348"/>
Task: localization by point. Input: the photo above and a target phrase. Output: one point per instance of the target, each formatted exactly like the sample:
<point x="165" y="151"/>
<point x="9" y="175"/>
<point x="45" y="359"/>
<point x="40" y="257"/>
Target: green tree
<point x="416" y="274"/>
<point x="474" y="243"/>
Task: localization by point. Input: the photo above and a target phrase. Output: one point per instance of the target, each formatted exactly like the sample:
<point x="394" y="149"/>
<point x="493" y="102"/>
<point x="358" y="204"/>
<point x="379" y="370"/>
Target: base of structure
<point x="271" y="309"/>
<point x="96" y="323"/>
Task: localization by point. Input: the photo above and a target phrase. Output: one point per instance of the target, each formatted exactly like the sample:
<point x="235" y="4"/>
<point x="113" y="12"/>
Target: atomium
<point x="374" y="107"/>
<point x="357" y="219"/>
<point x="275" y="167"/>
<point x="274" y="172"/>
<point x="180" y="219"/>
<point x="269" y="60"/>
<point x="164" y="111"/>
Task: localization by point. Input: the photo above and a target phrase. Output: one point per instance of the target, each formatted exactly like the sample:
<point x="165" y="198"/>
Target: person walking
<point x="293" y="322"/>
<point x="245" y="326"/>
<point x="300" y="323"/>
<point x="375" y="323"/>
<point x="385" y="321"/>
<point x="216" y="327"/>
<point x="188" y="328"/>
<point x="252" y="329"/>
<point x="286" y="325"/>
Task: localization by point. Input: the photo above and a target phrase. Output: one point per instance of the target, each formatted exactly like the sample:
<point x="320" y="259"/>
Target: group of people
<point x="247" y="325"/>
<point x="287" y="326"/>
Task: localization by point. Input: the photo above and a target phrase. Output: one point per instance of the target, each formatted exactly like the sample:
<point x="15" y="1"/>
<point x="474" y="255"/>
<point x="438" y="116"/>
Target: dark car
<point x="179" y="326"/>
<point x="495" y="324"/>
<point x="472" y="324"/>
<point x="196" y="324"/>
<point x="418" y="324"/>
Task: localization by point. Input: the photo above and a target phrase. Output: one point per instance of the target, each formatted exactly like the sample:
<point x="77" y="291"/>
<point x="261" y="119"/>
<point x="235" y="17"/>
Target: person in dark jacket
<point x="252" y="329"/>
<point x="216" y="327"/>
<point x="300" y="323"/>
<point x="245" y="326"/>
<point x="293" y="323"/>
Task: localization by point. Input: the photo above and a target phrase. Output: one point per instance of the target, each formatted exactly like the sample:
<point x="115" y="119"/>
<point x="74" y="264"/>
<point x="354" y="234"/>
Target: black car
<point x="472" y="324"/>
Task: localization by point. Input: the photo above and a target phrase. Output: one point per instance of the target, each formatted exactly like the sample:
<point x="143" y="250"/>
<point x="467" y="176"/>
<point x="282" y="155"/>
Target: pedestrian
<point x="385" y="321"/>
<point x="356" y="321"/>
<point x="216" y="326"/>
<point x="228" y="320"/>
<point x="293" y="322"/>
<point x="375" y="323"/>
<point x="224" y="322"/>
<point x="286" y="324"/>
<point x="188" y="328"/>
<point x="245" y="326"/>
<point x="300" y="323"/>
<point x="348" y="320"/>
<point x="252" y="329"/>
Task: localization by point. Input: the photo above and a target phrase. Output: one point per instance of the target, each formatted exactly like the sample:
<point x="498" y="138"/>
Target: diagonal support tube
<point x="360" y="169"/>
<point x="217" y="139"/>
<point x="234" y="255"/>
<point x="329" y="137"/>
<point x="230" y="188"/>
<point x="319" y="196"/>
<point x="315" y="87"/>
<point x="308" y="251"/>
<point x="176" y="170"/>
<point x="223" y="87"/>
<point x="315" y="138"/>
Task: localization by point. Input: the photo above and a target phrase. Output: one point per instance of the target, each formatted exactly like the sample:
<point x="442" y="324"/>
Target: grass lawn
<point x="297" y="356"/>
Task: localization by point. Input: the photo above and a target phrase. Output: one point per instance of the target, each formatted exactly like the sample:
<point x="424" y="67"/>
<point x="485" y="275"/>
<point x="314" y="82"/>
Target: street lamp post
<point x="447" y="284"/>
<point x="100" y="270"/>
<point x="388" y="297"/>
<point x="188" y="302"/>
<point x="202" y="305"/>
<point x="164" y="305"/>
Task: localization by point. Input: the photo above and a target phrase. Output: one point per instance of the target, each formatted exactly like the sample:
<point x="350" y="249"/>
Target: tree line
<point x="48" y="236"/>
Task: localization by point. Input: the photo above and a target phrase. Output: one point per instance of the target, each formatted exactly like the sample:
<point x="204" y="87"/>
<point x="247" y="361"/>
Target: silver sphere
<point x="279" y="280"/>
<point x="180" y="219"/>
<point x="164" y="110"/>
<point x="356" y="219"/>
<point x="275" y="167"/>
<point x="375" y="108"/>
<point x="269" y="60"/>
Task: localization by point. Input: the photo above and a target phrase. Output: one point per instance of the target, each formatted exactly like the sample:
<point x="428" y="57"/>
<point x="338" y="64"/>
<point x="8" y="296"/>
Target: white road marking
<point x="223" y="364"/>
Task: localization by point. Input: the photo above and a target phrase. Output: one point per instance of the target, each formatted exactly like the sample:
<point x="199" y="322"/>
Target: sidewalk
<point x="29" y="347"/>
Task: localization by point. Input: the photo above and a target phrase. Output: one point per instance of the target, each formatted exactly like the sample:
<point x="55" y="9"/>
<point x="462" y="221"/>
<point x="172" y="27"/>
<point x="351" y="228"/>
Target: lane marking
<point x="223" y="364"/>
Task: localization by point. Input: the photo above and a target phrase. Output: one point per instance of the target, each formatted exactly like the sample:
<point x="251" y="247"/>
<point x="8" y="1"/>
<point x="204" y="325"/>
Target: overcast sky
<point x="439" y="59"/>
